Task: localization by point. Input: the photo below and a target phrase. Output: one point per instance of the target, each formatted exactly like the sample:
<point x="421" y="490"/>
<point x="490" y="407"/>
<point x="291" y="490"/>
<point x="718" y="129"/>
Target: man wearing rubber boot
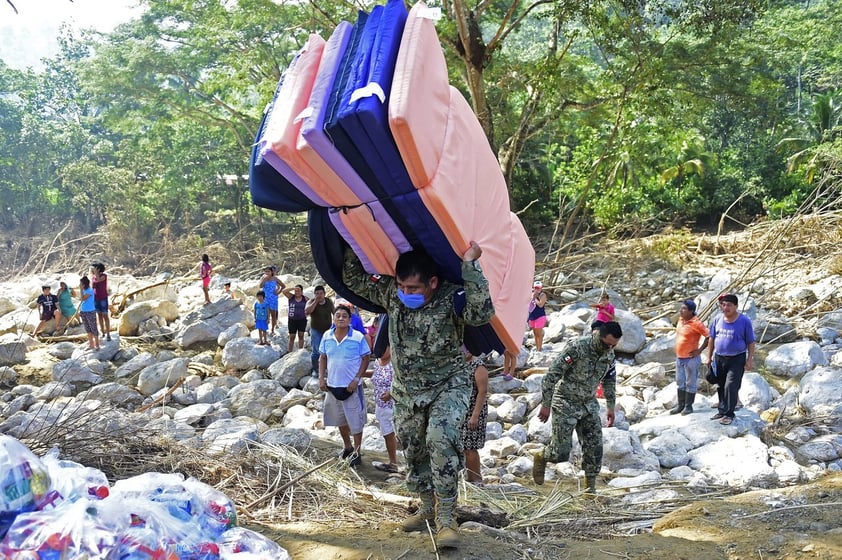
<point x="432" y="381"/>
<point x="568" y="389"/>
<point x="688" y="356"/>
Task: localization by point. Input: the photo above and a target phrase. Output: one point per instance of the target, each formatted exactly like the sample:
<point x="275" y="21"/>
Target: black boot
<point x="688" y="404"/>
<point x="682" y="394"/>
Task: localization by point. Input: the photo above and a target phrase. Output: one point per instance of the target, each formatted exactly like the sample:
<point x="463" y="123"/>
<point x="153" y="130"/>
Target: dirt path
<point x="796" y="522"/>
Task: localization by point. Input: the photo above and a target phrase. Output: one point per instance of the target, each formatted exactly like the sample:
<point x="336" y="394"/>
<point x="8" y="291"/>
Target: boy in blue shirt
<point x="261" y="318"/>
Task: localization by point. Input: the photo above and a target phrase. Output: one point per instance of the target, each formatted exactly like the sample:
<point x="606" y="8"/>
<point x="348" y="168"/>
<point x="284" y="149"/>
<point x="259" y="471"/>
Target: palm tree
<point x="824" y="125"/>
<point x="692" y="160"/>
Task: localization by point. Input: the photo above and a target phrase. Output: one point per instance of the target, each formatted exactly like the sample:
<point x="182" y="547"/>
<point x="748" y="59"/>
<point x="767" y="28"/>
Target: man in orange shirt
<point x="688" y="352"/>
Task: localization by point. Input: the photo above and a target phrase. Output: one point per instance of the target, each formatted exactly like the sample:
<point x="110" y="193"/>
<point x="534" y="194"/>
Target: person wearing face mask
<point x="432" y="381"/>
<point x="568" y="391"/>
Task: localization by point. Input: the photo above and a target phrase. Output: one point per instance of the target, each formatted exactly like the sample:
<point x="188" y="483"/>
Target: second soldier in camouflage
<point x="568" y="390"/>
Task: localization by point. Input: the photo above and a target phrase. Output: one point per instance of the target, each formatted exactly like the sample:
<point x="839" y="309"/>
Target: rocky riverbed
<point x="784" y="449"/>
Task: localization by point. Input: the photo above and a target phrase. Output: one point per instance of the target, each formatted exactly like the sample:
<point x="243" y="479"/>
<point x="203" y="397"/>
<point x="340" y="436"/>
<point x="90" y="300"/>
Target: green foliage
<point x="617" y="113"/>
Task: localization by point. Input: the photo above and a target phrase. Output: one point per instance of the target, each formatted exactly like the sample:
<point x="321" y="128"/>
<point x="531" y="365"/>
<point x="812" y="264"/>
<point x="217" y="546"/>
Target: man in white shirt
<point x="343" y="358"/>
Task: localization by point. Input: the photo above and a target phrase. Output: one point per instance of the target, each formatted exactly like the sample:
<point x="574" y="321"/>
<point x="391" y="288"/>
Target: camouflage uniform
<point x="568" y="389"/>
<point x="432" y="382"/>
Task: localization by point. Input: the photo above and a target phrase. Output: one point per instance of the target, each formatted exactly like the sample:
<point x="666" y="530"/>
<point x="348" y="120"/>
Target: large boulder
<point x="206" y="324"/>
<point x="237" y="330"/>
<point x="795" y="358"/>
<point x="12" y="350"/>
<point x="132" y="317"/>
<point x="244" y="354"/>
<point x="773" y="327"/>
<point x="832" y="320"/>
<point x="7" y="306"/>
<point x="257" y="399"/>
<point x="634" y="335"/>
<point x="79" y="371"/>
<point x="291" y="368"/>
<point x="623" y="450"/>
<point x="660" y="350"/>
<point x="164" y="374"/>
<point x="134" y="365"/>
<point x="821" y="392"/>
<point x="741" y="462"/>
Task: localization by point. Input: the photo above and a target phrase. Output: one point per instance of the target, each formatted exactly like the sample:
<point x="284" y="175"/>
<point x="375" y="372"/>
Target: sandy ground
<point x="796" y="522"/>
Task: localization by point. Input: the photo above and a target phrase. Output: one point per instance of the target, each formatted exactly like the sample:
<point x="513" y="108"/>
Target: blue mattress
<point x="328" y="248"/>
<point x="360" y="131"/>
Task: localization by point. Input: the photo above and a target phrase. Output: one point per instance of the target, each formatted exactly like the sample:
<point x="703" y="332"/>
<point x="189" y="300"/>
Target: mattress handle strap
<point x="344" y="209"/>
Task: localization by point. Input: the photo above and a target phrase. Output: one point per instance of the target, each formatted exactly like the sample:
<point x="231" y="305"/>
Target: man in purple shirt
<point x="731" y="351"/>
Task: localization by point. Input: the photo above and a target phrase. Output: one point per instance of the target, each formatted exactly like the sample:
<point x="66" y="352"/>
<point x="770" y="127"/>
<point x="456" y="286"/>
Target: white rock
<point x="790" y="472"/>
<point x="114" y="394"/>
<point x="62" y="350"/>
<point x="257" y="399"/>
<point x="823" y="448"/>
<point x="8" y="376"/>
<point x="288" y="437"/>
<point x="795" y="358"/>
<point x="168" y="428"/>
<point x="78" y="371"/>
<point x="821" y="392"/>
<point x="502" y="447"/>
<point x="512" y="411"/>
<point x="623" y="449"/>
<point x="230" y="435"/>
<point x="298" y="396"/>
<point x="163" y="374"/>
<point x="520" y="467"/>
<point x="770" y="326"/>
<point x="244" y="354"/>
<point x="54" y="389"/>
<point x="680" y="473"/>
<point x="291" y="368"/>
<point x="207" y="393"/>
<point x="12" y="351"/>
<point x="755" y="392"/>
<point x="633" y="408"/>
<point x="137" y="313"/>
<point x="660" y="350"/>
<point x="493" y="430"/>
<point x="301" y="417"/>
<point x="742" y="462"/>
<point x="517" y="433"/>
<point x="237" y="330"/>
<point x="634" y="335"/>
<point x="193" y="414"/>
<point x="671" y="448"/>
<point x="647" y="479"/>
<point x="206" y="324"/>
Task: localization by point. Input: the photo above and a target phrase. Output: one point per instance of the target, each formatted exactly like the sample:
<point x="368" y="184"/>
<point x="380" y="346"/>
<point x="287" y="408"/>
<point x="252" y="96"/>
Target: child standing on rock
<point x="261" y="318"/>
<point x="205" y="271"/>
<point x="87" y="309"/>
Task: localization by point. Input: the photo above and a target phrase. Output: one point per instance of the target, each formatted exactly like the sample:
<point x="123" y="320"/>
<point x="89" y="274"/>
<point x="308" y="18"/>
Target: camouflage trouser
<point x="432" y="441"/>
<point x="585" y="419"/>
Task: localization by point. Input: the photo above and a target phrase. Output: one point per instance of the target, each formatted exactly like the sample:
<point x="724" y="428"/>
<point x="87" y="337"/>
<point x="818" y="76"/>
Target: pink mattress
<point x="424" y="106"/>
<point x="283" y="139"/>
<point x="457" y="174"/>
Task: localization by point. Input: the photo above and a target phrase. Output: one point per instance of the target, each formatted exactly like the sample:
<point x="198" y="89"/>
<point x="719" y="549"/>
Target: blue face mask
<point x="412" y="301"/>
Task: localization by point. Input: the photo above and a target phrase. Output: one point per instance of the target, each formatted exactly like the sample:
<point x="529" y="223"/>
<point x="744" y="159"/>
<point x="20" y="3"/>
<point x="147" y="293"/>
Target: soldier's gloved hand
<point x="609" y="417"/>
<point x="544" y="414"/>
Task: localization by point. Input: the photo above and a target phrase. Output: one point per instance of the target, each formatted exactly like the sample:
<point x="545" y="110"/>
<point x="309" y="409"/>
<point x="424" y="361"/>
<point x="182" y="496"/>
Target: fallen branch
<point x="162" y="397"/>
<point x="275" y="492"/>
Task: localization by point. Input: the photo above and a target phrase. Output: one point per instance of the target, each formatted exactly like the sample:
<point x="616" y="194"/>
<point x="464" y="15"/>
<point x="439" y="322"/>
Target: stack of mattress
<point x="366" y="134"/>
